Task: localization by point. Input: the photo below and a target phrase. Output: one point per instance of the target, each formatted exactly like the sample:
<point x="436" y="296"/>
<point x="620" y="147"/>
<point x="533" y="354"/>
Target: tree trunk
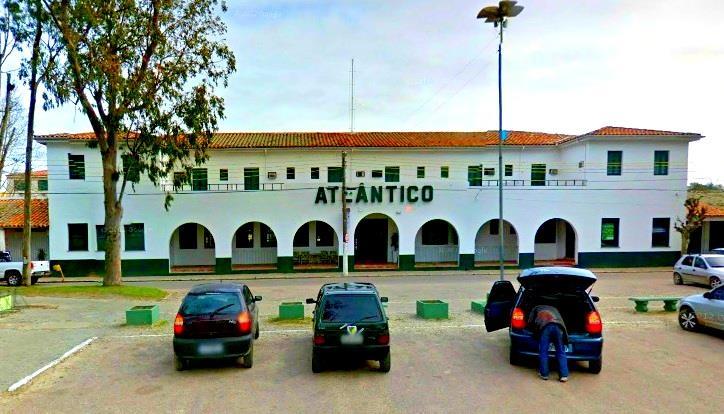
<point x="4" y="145"/>
<point x="684" y="242"/>
<point x="113" y="214"/>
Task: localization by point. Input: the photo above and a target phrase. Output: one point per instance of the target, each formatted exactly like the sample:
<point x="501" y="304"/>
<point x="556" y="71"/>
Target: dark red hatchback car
<point x="215" y="321"/>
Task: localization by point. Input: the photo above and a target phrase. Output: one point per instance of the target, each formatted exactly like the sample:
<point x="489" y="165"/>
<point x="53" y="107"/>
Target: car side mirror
<point x="595" y="298"/>
<point x="384" y="299"/>
<point x="257" y="298"/>
<point x="310" y="301"/>
<point x="707" y="295"/>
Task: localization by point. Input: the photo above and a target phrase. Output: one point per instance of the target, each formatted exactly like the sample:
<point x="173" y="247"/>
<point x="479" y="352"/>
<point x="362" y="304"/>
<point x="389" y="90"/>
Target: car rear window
<point x="715" y="261"/>
<point x="211" y="302"/>
<point x="351" y="309"/>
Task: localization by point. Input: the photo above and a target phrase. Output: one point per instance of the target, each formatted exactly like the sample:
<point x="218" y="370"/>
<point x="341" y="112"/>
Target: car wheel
<point x="14" y="279"/>
<point x="594" y="366"/>
<point x="687" y="319"/>
<point x="386" y="364"/>
<point x="677" y="279"/>
<point x="179" y="363"/>
<point x="256" y="332"/>
<point x="714" y="282"/>
<point x="317" y="364"/>
<point x="247" y="361"/>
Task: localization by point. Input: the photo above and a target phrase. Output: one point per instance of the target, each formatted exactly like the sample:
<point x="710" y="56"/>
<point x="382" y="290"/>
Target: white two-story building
<point x="416" y="200"/>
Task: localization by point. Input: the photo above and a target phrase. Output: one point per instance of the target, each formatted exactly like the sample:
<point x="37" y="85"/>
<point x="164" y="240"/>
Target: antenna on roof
<point x="351" y="99"/>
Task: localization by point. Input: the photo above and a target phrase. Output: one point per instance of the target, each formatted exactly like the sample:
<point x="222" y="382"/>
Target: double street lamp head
<point x="501" y="13"/>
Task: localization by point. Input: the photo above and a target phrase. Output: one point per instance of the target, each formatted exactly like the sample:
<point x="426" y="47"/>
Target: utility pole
<point x="345" y="209"/>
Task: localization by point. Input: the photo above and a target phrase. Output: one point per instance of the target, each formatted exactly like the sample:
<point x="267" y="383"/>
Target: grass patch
<point x="92" y="291"/>
<point x="293" y="322"/>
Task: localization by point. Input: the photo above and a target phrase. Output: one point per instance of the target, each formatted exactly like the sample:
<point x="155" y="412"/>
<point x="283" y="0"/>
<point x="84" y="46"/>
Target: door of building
<point x="370" y="241"/>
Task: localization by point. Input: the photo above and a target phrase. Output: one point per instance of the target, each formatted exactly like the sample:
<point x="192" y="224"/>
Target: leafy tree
<point x="695" y="213"/>
<point x="144" y="72"/>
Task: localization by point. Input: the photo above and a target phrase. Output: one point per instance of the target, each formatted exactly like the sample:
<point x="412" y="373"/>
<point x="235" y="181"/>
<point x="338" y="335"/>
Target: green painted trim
<point x="525" y="260"/>
<point x="223" y="266"/>
<point x="350" y="261"/>
<point x="467" y="261"/>
<point x="407" y="262"/>
<point x="628" y="259"/>
<point x="80" y="268"/>
<point x="285" y="264"/>
<point x="144" y="267"/>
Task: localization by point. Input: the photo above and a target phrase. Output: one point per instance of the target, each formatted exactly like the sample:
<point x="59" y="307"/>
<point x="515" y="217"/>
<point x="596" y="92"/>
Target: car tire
<point x="714" y="282"/>
<point x="386" y="363"/>
<point x="687" y="319"/>
<point x="180" y="364"/>
<point x="515" y="358"/>
<point x="595" y="365"/>
<point x="678" y="279"/>
<point x="247" y="361"/>
<point x="317" y="363"/>
<point x="14" y="278"/>
<point x="256" y="332"/>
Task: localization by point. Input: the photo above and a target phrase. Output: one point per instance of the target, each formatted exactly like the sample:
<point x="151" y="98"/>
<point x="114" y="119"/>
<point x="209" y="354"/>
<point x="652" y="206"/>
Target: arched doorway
<point x="192" y="249"/>
<point x="254" y="247"/>
<point x="316" y="246"/>
<point x="555" y="244"/>
<point x="487" y="244"/>
<point x="376" y="243"/>
<point x="437" y="245"/>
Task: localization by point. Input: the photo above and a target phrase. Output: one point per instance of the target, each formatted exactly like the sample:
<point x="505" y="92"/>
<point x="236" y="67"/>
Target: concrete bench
<point x="642" y="302"/>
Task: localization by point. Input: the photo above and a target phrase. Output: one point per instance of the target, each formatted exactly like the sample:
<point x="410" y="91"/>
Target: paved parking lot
<point x="650" y="364"/>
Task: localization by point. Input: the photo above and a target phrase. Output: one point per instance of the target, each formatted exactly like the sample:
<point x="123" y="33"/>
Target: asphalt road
<point x="650" y="364"/>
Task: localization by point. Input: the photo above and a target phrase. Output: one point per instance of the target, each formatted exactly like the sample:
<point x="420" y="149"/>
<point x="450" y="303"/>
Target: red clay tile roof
<point x="11" y="213"/>
<point x="612" y="130"/>
<point x="713" y="211"/>
<point x="37" y="173"/>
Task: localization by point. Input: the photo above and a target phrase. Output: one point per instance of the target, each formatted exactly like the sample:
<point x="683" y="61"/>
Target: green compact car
<point x="350" y="322"/>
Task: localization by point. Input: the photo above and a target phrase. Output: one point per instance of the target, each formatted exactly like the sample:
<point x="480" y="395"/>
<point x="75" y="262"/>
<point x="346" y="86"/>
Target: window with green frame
<point x="77" y="237"/>
<point x="661" y="162"/>
<point x="251" y="179"/>
<point x="538" y="174"/>
<point x="100" y="237"/>
<point x="420" y="172"/>
<point x="475" y="175"/>
<point x="613" y="166"/>
<point x="199" y="179"/>
<point x="609" y="232"/>
<point x="76" y="167"/>
<point x="19" y="185"/>
<point x="42" y="185"/>
<point x="223" y="174"/>
<point x="444" y="171"/>
<point x="508" y="170"/>
<point x="392" y="174"/>
<point x="334" y="174"/>
<point x="134" y="237"/>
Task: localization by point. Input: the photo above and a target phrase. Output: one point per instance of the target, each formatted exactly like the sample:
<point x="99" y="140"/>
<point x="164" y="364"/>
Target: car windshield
<point x="715" y="261"/>
<point x="351" y="309"/>
<point x="208" y="303"/>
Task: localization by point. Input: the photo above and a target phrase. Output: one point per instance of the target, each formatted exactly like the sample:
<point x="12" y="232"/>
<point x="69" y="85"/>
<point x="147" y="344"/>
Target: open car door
<point x="499" y="306"/>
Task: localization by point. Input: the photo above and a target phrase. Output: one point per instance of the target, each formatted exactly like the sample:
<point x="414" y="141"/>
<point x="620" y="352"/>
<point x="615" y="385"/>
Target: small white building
<point x="417" y="200"/>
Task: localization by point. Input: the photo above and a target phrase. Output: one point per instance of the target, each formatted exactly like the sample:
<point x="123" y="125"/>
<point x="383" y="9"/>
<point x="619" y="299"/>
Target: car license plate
<point x="210" y="349"/>
<point x="356" y="339"/>
<point x="567" y="348"/>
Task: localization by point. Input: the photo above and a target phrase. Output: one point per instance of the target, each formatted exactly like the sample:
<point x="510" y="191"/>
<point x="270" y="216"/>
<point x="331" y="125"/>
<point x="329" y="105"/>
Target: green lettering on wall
<point x="321" y="196"/>
<point x="427" y="193"/>
<point x="376" y="194"/>
<point x="402" y="194"/>
<point x="332" y="193"/>
<point x="361" y="194"/>
<point x="410" y="197"/>
<point x="391" y="191"/>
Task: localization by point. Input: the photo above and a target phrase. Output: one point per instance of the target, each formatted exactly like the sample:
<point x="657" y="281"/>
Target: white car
<point x="12" y="272"/>
<point x="707" y="269"/>
<point x="705" y="309"/>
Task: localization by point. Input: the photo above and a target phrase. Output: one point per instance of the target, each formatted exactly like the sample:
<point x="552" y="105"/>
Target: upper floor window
<point x="291" y="173"/>
<point x="315" y="173"/>
<point x="392" y="174"/>
<point x="224" y="175"/>
<point x="538" y="174"/>
<point x="334" y="174"/>
<point x="251" y="179"/>
<point x="489" y="171"/>
<point x="376" y="173"/>
<point x="199" y="179"/>
<point x="76" y="167"/>
<point x="444" y="171"/>
<point x="661" y="162"/>
<point x="420" y="172"/>
<point x="508" y="170"/>
<point x="42" y="185"/>
<point x="660" y="232"/>
<point x="609" y="232"/>
<point x="613" y="167"/>
<point x="19" y="185"/>
<point x="475" y="175"/>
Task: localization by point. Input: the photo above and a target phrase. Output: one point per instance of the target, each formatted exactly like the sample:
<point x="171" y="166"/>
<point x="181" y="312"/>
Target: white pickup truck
<point x="12" y="272"/>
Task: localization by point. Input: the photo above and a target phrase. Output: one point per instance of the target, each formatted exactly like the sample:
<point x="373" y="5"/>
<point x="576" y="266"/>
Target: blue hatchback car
<point x="562" y="287"/>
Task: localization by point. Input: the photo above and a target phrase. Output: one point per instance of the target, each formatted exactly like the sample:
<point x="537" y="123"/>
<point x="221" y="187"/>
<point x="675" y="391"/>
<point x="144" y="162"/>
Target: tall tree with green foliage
<point x="145" y="73"/>
<point x="695" y="214"/>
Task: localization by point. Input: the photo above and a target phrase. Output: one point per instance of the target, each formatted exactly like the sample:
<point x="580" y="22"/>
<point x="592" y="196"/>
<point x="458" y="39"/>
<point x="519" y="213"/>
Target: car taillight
<point x="593" y="323"/>
<point x="383" y="339"/>
<point x="178" y="325"/>
<point x="244" y="322"/>
<point x="318" y="340"/>
<point x="517" y="319"/>
<point x="32" y="265"/>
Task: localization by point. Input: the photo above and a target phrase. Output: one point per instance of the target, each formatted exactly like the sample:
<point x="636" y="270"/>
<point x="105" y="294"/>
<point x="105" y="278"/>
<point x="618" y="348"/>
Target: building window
<point x="420" y="172"/>
<point x="245" y="236"/>
<point x="613" y="167"/>
<point x="661" y="162"/>
<point x="376" y="173"/>
<point x="392" y="174"/>
<point x="76" y="167"/>
<point x="547" y="233"/>
<point x="444" y="172"/>
<point x="538" y="174"/>
<point x="438" y="233"/>
<point x="251" y="179"/>
<point x="224" y="175"/>
<point x="100" y="237"/>
<point x="315" y="173"/>
<point x="334" y="174"/>
<point x="475" y="175"/>
<point x="19" y="185"/>
<point x="208" y="239"/>
<point x="42" y="185"/>
<point x="660" y="232"/>
<point x="609" y="232"/>
<point x="508" y="170"/>
<point x="291" y="173"/>
<point x="130" y="168"/>
<point x="187" y="239"/>
<point x="78" y="237"/>
<point x="489" y="171"/>
<point x="301" y="237"/>
<point x="134" y="237"/>
<point x="325" y="235"/>
<point x="268" y="239"/>
<point x="199" y="179"/>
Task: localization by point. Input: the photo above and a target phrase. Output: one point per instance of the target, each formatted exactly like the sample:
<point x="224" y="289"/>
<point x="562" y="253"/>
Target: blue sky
<point x="569" y="67"/>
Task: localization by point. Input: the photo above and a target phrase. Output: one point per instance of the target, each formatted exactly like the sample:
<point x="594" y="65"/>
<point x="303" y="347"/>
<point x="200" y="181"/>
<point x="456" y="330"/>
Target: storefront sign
<point x="376" y="194"/>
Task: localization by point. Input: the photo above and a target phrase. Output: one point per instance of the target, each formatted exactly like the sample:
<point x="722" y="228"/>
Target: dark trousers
<point x="552" y="334"/>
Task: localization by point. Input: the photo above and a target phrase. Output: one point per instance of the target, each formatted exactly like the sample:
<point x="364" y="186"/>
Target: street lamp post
<point x="499" y="15"/>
